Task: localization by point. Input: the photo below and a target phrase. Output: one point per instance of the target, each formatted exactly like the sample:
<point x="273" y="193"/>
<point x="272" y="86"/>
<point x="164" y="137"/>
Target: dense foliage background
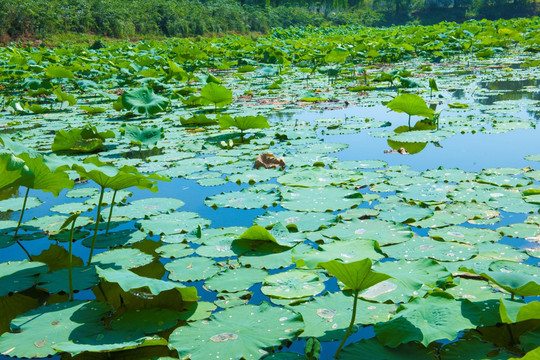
<point x="130" y="18"/>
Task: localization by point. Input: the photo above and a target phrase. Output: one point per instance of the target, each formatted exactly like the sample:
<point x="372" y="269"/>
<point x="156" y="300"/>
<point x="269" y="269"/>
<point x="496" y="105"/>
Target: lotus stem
<point x="70" y="271"/>
<point x="409" y="122"/>
<point x="97" y="224"/>
<point x="110" y="212"/>
<point x="19" y="225"/>
<point x="350" y="325"/>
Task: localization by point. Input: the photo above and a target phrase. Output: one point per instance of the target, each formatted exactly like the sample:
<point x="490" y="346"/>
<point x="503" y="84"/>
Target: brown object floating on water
<point x="268" y="161"/>
<point x="401" y="151"/>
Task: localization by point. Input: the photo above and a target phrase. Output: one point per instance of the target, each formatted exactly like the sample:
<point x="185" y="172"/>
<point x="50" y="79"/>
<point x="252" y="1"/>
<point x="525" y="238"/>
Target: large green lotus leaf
<point x="243" y="122"/>
<point x="487" y="254"/>
<point x="19" y="275"/>
<point x="473" y="210"/>
<point x="142" y="136"/>
<point x="440" y="219"/>
<point x="59" y="72"/>
<point x="84" y="277"/>
<point x="410" y="104"/>
<point x="514" y="311"/>
<point x="15" y="204"/>
<point x="107" y="340"/>
<point x="435" y="193"/>
<point x="327" y="317"/>
<point x="520" y="230"/>
<point x="467" y="235"/>
<point x="355" y="275"/>
<point x="300" y="221"/>
<point x="144" y="101"/>
<point x="421" y="247"/>
<point x="385" y="232"/>
<point x="372" y="349"/>
<point x="323" y="148"/>
<point x="191" y="268"/>
<point x="121" y="196"/>
<point x="218" y="246"/>
<point x="145" y="207"/>
<point x="346" y="251"/>
<point x="49" y="224"/>
<point x="227" y="300"/>
<point x="360" y="164"/>
<point x="401" y="212"/>
<point x="317" y="177"/>
<point x="293" y="284"/>
<point x="80" y="140"/>
<point x="414" y="274"/>
<point x="175" y="223"/>
<point x="515" y="283"/>
<point x="435" y="317"/>
<point x="122" y="258"/>
<point x="174" y="251"/>
<point x="38" y="330"/>
<point x="115" y="238"/>
<point x="324" y="199"/>
<point x="505" y="181"/>
<point x="44" y="179"/>
<point x="241" y="332"/>
<point x="270" y="257"/>
<point x="13" y="170"/>
<point x="284" y="356"/>
<point x="130" y="281"/>
<point x="206" y="235"/>
<point x="473" y="349"/>
<point x="449" y="175"/>
<point x="72" y="208"/>
<point x="234" y="280"/>
<point x="254" y="176"/>
<point x="474" y="290"/>
<point x="148" y="321"/>
<point x="278" y="235"/>
<point x="216" y="94"/>
<point x="7" y="226"/>
<point x="530" y="340"/>
<point x="244" y="199"/>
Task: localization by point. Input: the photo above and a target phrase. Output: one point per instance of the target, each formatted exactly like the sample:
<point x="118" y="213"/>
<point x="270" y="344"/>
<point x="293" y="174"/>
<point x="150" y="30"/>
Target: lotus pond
<point x="404" y="223"/>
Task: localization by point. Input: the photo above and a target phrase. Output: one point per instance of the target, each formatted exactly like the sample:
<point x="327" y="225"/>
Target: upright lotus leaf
<point x="80" y="140"/>
<point x="12" y="171"/>
<point x="515" y="283"/>
<point x="37" y="331"/>
<point x="243" y="123"/>
<point x="44" y="179"/>
<point x="412" y="105"/>
<point x="62" y="97"/>
<point x="241" y="332"/>
<point x="107" y="176"/>
<point x="513" y="311"/>
<point x="216" y="94"/>
<point x="356" y="276"/>
<point x="59" y="72"/>
<point x="144" y="101"/>
<point x="142" y="136"/>
<point x="436" y="317"/>
<point x="337" y="55"/>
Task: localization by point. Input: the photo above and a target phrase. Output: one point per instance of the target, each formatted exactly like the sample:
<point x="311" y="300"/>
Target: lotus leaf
<point x="191" y="268"/>
<point x="139" y="136"/>
<point x="19" y="275"/>
<point x="234" y="280"/>
<point x="122" y="258"/>
<point x="13" y="171"/>
<point x="373" y="349"/>
<point x="243" y="123"/>
<point x="322" y="199"/>
<point x="146" y="207"/>
<point x="144" y="101"/>
<point x="385" y="232"/>
<point x="420" y="247"/>
<point x="84" y="277"/>
<point x="216" y="94"/>
<point x="293" y="284"/>
<point x="473" y="349"/>
<point x="16" y="204"/>
<point x="80" y="140"/>
<point x="346" y="251"/>
<point x="175" y="223"/>
<point x="236" y="332"/>
<point x="466" y="235"/>
<point x="114" y="239"/>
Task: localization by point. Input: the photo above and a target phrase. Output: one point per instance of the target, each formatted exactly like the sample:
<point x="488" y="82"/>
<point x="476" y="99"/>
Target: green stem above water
<point x="97" y="224"/>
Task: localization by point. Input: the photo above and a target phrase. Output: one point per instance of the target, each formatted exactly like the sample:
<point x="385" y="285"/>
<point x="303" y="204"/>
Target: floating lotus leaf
<point x="449" y="175"/>
<point x="227" y="300"/>
<point x="84" y="277"/>
<point x="502" y="180"/>
<point x="144" y="101"/>
<point x="436" y="193"/>
<point x="300" y="221"/>
<point x="15" y="204"/>
<point x="19" y="275"/>
<point x="440" y="219"/>
<point x="374" y="350"/>
<point x="270" y="257"/>
<point x="243" y="199"/>
<point x="415" y="274"/>
<point x="435" y="317"/>
<point x="107" y="341"/>
<point x="149" y="321"/>
<point x="39" y="330"/>
<point x="51" y="224"/>
<point x="122" y="258"/>
<point x="130" y="281"/>
<point x="520" y="230"/>
<point x="385" y="232"/>
<point x="323" y="148"/>
<point x="316" y="177"/>
<point x="173" y="251"/>
<point x="323" y="199"/>
<point x="327" y="317"/>
<point x="402" y="213"/>
<point x="346" y="251"/>
<point x="515" y="283"/>
<point x="142" y="136"/>
<point x="175" y="223"/>
<point x="421" y="247"/>
<point x="473" y="210"/>
<point x="474" y="290"/>
<point x="236" y="333"/>
<point x="72" y="208"/>
<point x="467" y="235"/>
<point x="473" y="349"/>
<point x="254" y="176"/>
<point x="115" y="238"/>
<point x="234" y="280"/>
<point x="80" y="140"/>
<point x="293" y="284"/>
<point x="145" y="207"/>
<point x="191" y="268"/>
<point x="513" y="311"/>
